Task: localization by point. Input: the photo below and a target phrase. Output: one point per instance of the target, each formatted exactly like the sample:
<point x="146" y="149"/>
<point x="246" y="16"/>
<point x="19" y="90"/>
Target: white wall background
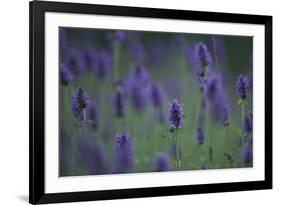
<point x="14" y="100"/>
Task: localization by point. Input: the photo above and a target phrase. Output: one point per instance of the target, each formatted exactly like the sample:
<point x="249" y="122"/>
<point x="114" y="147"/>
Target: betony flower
<point x="64" y="148"/>
<point x="242" y="86"/>
<point x="139" y="85"/>
<point x="219" y="50"/>
<point x="247" y="154"/>
<point x="104" y="64"/>
<point x="157" y="95"/>
<point x="200" y="136"/>
<point x="176" y="114"/>
<point x="94" y="156"/>
<point x="137" y="50"/>
<point x="65" y="75"/>
<point x="79" y="101"/>
<point x="202" y="60"/>
<point x="119" y="103"/>
<point x="216" y="97"/>
<point x="213" y="87"/>
<point x="248" y="123"/>
<point x="119" y="36"/>
<point x="74" y="61"/>
<point x="63" y="43"/>
<point x="124" y="153"/>
<point x="225" y="116"/>
<point x="162" y="163"/>
<point x="92" y="114"/>
<point x="90" y="59"/>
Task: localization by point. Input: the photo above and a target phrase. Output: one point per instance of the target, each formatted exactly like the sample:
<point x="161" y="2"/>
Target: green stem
<point x="226" y="140"/>
<point x="210" y="150"/>
<point x="242" y="119"/>
<point x="178" y="150"/>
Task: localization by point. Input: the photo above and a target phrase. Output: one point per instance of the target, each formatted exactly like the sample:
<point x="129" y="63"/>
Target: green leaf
<point x="237" y="130"/>
<point x="242" y="101"/>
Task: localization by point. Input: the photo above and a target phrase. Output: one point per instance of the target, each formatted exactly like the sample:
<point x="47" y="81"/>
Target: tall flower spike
<point x="162" y="163"/>
<point x="248" y="123"/>
<point x="92" y="114"/>
<point x="119" y="103"/>
<point x="157" y="95"/>
<point x="137" y="50"/>
<point x="74" y="61"/>
<point x="139" y="84"/>
<point x="94" y="156"/>
<point x="90" y="59"/>
<point x="202" y="60"/>
<point x="214" y="87"/>
<point x="217" y="98"/>
<point x="119" y="36"/>
<point x="79" y="101"/>
<point x="104" y="65"/>
<point x="242" y="86"/>
<point x="65" y="75"/>
<point x="225" y="116"/>
<point x="124" y="154"/>
<point x="176" y="115"/>
<point x="200" y="136"/>
<point x="247" y="154"/>
<point x="219" y="50"/>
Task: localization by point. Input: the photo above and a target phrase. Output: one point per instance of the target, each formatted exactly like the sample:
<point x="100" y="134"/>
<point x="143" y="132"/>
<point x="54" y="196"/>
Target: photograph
<point x="148" y="101"/>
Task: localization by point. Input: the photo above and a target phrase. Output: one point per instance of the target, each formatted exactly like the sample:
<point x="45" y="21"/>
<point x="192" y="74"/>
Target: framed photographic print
<point x="140" y="102"/>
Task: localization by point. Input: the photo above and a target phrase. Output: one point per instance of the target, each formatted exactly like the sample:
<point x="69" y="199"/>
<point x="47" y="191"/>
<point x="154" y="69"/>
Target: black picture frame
<point x="37" y="9"/>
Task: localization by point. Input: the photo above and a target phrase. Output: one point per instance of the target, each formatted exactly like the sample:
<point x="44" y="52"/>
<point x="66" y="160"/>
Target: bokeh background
<point x="149" y="70"/>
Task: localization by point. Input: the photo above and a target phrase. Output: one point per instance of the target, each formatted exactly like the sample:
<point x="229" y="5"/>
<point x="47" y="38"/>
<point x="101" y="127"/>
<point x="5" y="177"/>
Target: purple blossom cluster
<point x="243" y="86"/>
<point x="66" y="76"/>
<point x="79" y="101"/>
<point x="139" y="87"/>
<point x="175" y="115"/>
<point x="124" y="153"/>
<point x="119" y="103"/>
<point x="162" y="163"/>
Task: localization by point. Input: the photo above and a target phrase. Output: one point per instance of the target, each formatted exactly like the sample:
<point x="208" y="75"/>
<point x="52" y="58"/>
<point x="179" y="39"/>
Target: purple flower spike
<point x="74" y="61"/>
<point x="119" y="103"/>
<point x="201" y="59"/>
<point x="79" y="101"/>
<point x="162" y="163"/>
<point x="216" y="97"/>
<point x="104" y="65"/>
<point x="94" y="156"/>
<point x="248" y="123"/>
<point x="242" y="86"/>
<point x="139" y="83"/>
<point x="137" y="50"/>
<point x="225" y="116"/>
<point x="247" y="154"/>
<point x="214" y="87"/>
<point x="219" y="50"/>
<point x="92" y="114"/>
<point x="119" y="36"/>
<point x="124" y="154"/>
<point x="90" y="58"/>
<point x="176" y="115"/>
<point x="200" y="136"/>
<point x="157" y="95"/>
<point x="65" y="75"/>
<point x="63" y="43"/>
